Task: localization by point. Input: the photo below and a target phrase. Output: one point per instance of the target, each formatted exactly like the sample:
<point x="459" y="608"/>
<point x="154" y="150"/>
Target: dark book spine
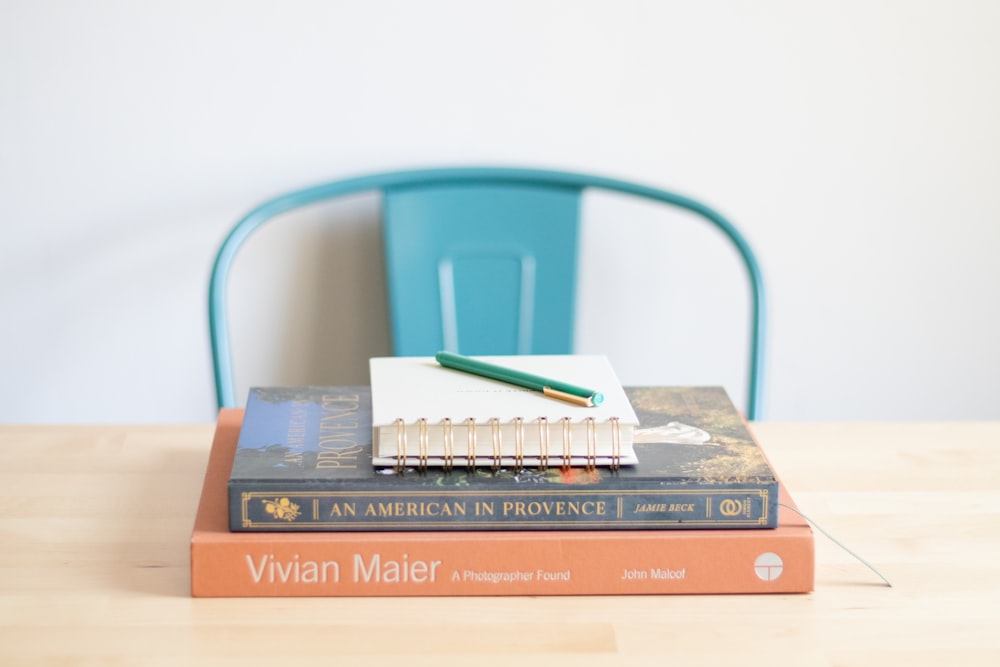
<point x="284" y="508"/>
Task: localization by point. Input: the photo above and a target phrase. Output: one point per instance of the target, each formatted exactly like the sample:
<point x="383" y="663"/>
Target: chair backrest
<point x="480" y="260"/>
<point x="481" y="268"/>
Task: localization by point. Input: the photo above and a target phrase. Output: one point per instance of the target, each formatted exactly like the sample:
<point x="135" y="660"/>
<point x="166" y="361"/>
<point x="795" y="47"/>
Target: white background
<point x="856" y="144"/>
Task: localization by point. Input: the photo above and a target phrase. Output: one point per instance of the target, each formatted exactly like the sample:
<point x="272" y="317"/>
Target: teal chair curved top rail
<point x="479" y="260"/>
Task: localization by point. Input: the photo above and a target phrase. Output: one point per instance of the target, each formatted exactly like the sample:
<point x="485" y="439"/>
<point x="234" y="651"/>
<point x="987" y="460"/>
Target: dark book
<point x="304" y="463"/>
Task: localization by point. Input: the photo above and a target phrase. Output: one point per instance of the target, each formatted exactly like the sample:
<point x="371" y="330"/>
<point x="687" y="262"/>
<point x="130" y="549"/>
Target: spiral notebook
<point x="426" y="415"/>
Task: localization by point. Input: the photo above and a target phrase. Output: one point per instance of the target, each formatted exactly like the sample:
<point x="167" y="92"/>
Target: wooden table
<point x="95" y="524"/>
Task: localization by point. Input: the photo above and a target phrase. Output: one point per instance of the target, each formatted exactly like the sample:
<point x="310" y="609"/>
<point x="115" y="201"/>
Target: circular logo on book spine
<point x="768" y="566"/>
<point x="731" y="507"/>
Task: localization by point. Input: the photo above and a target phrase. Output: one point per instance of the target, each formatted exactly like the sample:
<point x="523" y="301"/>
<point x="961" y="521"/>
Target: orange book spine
<point x="512" y="564"/>
<point x="225" y="564"/>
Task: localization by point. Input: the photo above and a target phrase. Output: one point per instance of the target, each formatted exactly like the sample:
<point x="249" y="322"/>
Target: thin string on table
<point x="838" y="543"/>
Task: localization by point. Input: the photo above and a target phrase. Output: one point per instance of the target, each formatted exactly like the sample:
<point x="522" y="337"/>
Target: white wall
<point x="856" y="143"/>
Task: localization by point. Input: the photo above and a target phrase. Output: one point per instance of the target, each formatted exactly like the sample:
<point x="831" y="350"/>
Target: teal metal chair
<point x="479" y="260"/>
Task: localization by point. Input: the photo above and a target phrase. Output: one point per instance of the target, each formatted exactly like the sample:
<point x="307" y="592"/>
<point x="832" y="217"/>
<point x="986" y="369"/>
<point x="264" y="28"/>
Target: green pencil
<point x="553" y="388"/>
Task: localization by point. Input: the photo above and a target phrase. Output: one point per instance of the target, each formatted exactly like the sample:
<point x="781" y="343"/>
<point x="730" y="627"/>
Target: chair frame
<point x="218" y="322"/>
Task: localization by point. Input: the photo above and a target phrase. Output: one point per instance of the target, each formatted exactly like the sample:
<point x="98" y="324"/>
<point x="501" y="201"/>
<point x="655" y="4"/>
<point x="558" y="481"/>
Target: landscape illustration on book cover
<point x="304" y="463"/>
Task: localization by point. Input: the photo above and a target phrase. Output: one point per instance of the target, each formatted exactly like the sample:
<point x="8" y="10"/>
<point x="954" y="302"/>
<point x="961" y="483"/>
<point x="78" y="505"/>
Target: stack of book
<point x="435" y="482"/>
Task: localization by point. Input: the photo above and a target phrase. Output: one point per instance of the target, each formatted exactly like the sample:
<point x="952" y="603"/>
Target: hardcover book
<point x="428" y="415"/>
<point x="304" y="463"/>
<point x="227" y="564"/>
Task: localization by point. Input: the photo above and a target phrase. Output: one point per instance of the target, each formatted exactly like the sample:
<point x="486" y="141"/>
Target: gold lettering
<point x="521" y="508"/>
<point x="297" y="422"/>
<point x="415" y="509"/>
<point x="338" y="449"/>
<point x="328" y="460"/>
<point x="650" y="507"/>
<point x="343" y="510"/>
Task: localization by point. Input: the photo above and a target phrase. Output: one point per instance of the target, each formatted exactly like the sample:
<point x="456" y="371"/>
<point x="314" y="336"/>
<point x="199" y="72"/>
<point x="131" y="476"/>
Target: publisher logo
<point x="731" y="507"/>
<point x="768" y="566"/>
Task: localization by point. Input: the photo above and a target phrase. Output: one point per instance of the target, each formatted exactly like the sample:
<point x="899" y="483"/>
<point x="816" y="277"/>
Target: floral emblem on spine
<point x="282" y="508"/>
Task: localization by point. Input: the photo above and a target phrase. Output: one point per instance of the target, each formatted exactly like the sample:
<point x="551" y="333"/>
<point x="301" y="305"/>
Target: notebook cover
<point x="411" y="389"/>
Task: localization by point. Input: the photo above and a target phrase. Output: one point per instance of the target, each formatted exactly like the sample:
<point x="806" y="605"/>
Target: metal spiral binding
<point x="543" y="443"/>
<point x="422" y="440"/>
<point x="471" y="451"/>
<point x="449" y="444"/>
<point x="567" y="448"/>
<point x="400" y="445"/>
<point x="591" y="443"/>
<point x="497" y="438"/>
<point x="616" y="444"/>
<point x="518" y="443"/>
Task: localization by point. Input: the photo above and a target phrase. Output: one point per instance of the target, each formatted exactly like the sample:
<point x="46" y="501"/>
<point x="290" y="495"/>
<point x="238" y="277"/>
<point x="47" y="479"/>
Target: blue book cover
<point x="304" y="463"/>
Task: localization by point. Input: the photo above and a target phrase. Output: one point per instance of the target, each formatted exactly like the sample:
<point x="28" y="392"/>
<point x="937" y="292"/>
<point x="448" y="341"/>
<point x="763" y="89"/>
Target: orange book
<point x="620" y="562"/>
